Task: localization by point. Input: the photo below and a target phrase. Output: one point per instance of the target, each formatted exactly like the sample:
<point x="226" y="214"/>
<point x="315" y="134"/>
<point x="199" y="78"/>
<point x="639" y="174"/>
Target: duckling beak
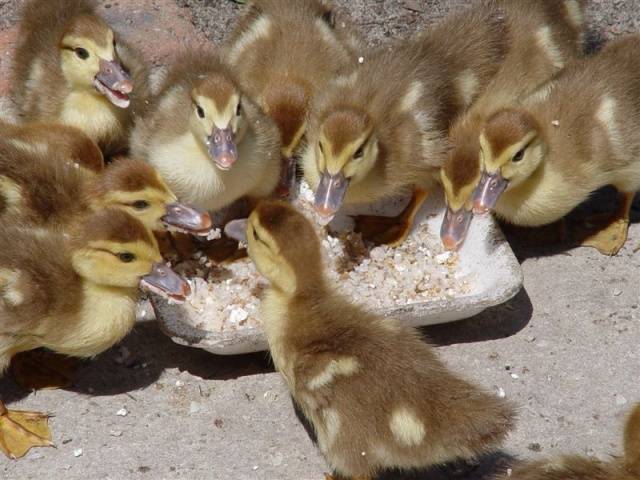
<point x="222" y="148"/>
<point x="455" y="227"/>
<point x="114" y="83"/>
<point x="165" y="282"/>
<point x="237" y="229"/>
<point x="330" y="195"/>
<point x="488" y="192"/>
<point x="287" y="188"/>
<point x="188" y="219"/>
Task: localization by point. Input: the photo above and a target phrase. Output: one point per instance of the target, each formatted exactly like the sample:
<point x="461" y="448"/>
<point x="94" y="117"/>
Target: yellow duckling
<point x="71" y="68"/>
<point x="544" y="36"/>
<point x="285" y="54"/>
<point x="209" y="142"/>
<point x="76" y="296"/>
<point x="576" y="134"/>
<point x="41" y="188"/>
<point x="381" y="132"/>
<point x="334" y="354"/>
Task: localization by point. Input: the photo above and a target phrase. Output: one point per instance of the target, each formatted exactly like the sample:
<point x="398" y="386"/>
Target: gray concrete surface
<point x="565" y="350"/>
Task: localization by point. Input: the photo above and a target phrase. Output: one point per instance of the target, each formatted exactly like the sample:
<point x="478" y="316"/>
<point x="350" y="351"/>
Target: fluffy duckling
<point x="70" y="67"/>
<point x="40" y="188"/>
<point x="381" y="132"/>
<point x="69" y="143"/>
<point x="76" y="296"/>
<point x="543" y="37"/>
<point x="574" y="135"/>
<point x="580" y="468"/>
<point x="285" y="54"/>
<point x="209" y="142"/>
<point x="333" y="354"/>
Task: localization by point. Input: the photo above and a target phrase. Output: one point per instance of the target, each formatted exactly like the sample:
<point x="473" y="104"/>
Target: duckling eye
<point x="239" y="109"/>
<point x="126" y="257"/>
<point x="321" y="147"/>
<point x="359" y="153"/>
<point x="140" y="204"/>
<point x="200" y="111"/>
<point x="81" y="53"/>
<point x="518" y="156"/>
<point x="329" y="18"/>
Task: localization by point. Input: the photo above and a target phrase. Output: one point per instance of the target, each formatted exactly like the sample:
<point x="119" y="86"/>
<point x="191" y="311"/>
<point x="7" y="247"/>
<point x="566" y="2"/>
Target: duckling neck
<point x="106" y="315"/>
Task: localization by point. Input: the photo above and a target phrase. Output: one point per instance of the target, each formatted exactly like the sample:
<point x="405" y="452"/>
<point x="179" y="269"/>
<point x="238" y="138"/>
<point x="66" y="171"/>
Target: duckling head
<point x="136" y="187"/>
<point x="268" y="233"/>
<point x="218" y="119"/>
<point x="511" y="149"/>
<point x="460" y="176"/>
<point x="345" y="152"/>
<point x="89" y="60"/>
<point x="113" y="249"/>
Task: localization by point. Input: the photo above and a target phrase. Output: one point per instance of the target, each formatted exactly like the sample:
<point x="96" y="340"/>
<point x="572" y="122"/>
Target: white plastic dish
<point x="486" y="261"/>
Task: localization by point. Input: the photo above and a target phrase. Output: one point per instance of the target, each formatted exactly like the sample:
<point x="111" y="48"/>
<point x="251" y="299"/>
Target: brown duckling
<point x="381" y="132"/>
<point x="70" y="67"/>
<point x="333" y="355"/>
<point x="580" y="468"/>
<point x="42" y="189"/>
<point x="580" y="132"/>
<point x="209" y="141"/>
<point x="70" y="143"/>
<point x="75" y="295"/>
<point x="543" y="37"/>
<point x="285" y="54"/>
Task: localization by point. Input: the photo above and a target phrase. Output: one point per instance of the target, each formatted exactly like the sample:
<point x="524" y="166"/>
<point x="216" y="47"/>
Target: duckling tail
<point x="632" y="442"/>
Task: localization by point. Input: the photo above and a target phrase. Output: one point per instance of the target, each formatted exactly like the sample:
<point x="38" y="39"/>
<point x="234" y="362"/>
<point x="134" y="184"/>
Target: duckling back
<point x="38" y="186"/>
<point x="376" y="393"/>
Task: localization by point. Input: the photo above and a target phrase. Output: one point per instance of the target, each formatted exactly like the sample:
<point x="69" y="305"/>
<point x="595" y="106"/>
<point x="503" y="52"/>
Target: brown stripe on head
<point x="128" y="175"/>
<point x="344" y="127"/>
<point x="506" y="128"/>
<point x="90" y="27"/>
<point x="288" y="226"/>
<point x="463" y="167"/>
<point x="286" y="101"/>
<point x="114" y="225"/>
<point x="218" y="86"/>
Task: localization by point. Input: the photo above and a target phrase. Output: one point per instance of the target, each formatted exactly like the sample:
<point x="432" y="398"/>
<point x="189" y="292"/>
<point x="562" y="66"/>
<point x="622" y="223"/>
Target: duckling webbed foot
<point x="392" y="231"/>
<point x="22" y="430"/>
<point x="43" y="370"/>
<point x="610" y="239"/>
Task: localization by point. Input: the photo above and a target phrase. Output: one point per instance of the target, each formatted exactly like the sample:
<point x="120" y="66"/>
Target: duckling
<point x="40" y="188"/>
<point x="208" y="140"/>
<point x="76" y="296"/>
<point x="580" y="468"/>
<point x="581" y="131"/>
<point x="70" y="143"/>
<point x="332" y="355"/>
<point x="543" y="37"/>
<point x="70" y="67"/>
<point x="381" y="132"/>
<point x="285" y="54"/>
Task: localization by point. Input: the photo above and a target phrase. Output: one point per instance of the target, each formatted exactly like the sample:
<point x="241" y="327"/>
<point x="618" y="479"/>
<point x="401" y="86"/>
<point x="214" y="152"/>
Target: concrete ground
<point x="565" y="349"/>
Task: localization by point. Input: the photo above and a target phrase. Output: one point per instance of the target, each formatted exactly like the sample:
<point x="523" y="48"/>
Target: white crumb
<point x="227" y="298"/>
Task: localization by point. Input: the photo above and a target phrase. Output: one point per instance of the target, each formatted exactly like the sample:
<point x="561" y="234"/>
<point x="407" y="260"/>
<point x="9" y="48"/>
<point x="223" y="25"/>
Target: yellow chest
<point x="274" y="317"/>
<point x="106" y="316"/>
<point x="92" y="114"/>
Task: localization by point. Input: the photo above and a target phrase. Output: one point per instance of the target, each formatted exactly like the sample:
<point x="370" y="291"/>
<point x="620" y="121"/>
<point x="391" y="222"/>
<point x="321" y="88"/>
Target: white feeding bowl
<point x="419" y="283"/>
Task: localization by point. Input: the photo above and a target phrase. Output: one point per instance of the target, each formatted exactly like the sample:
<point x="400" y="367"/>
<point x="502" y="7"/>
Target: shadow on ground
<point x="146" y="353"/>
<point x="560" y="237"/>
